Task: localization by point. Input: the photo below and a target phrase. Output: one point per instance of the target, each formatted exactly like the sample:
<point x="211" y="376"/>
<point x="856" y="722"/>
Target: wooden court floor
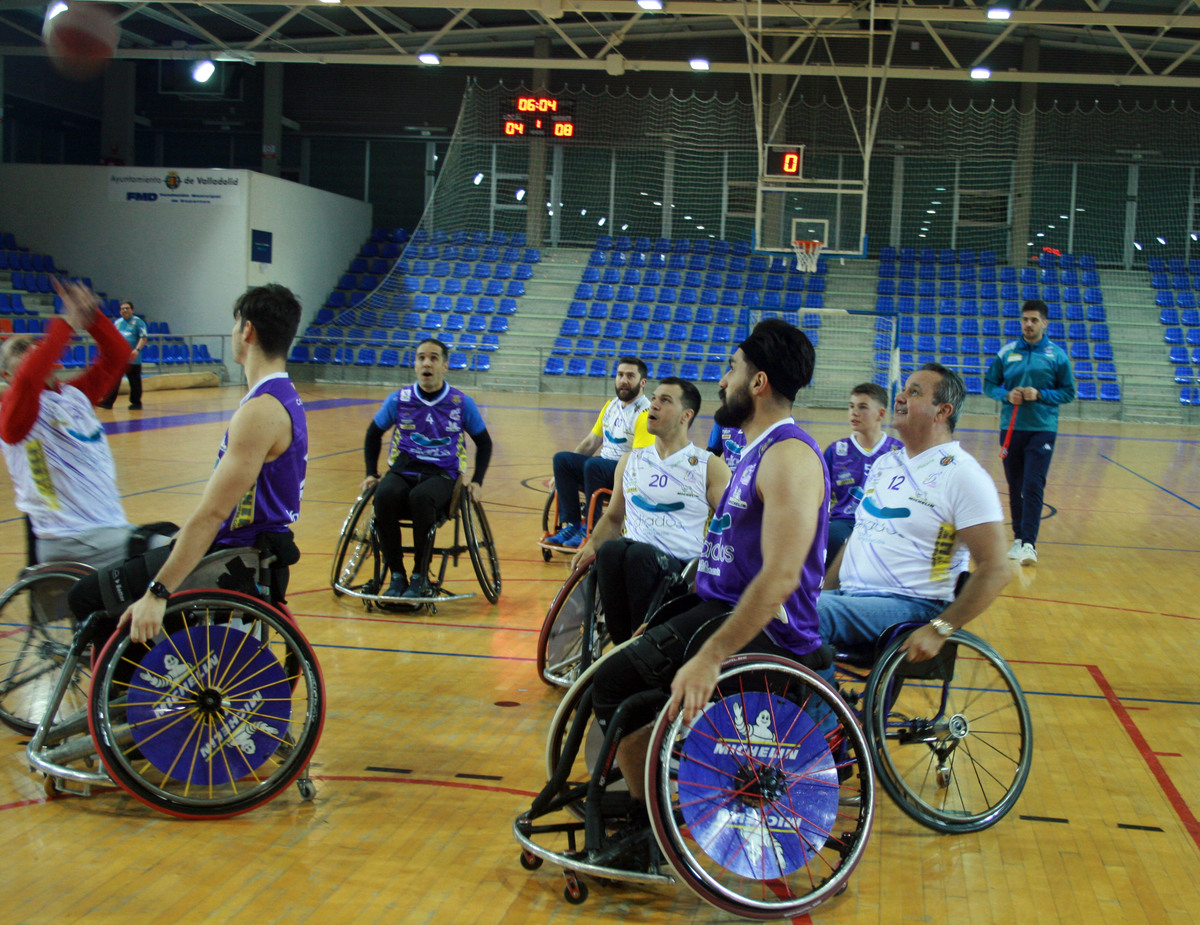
<point x="434" y="735"/>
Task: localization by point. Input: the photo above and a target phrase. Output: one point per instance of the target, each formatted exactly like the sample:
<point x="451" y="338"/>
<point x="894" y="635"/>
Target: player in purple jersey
<point x="763" y="557"/>
<point x="849" y="460"/>
<point x="726" y="442"/>
<point x="425" y="460"/>
<point x="253" y="495"/>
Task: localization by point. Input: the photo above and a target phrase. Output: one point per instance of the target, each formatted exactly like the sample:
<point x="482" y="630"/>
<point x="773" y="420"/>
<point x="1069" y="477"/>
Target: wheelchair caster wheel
<point x="49" y="786"/>
<point x="547" y="555"/>
<point x="576" y="891"/>
<point x="308" y="790"/>
<point x="530" y="861"/>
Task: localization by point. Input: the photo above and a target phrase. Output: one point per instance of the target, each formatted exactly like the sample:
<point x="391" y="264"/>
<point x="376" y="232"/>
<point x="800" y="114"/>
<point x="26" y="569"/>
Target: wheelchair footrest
<point x="578" y="861"/>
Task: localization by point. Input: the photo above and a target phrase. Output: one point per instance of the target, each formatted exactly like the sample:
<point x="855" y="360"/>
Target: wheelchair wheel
<point x="36" y="628"/>
<point x="765" y="804"/>
<point x="482" y="548"/>
<point x="562" y="652"/>
<point x="952" y="736"/>
<point x="217" y="715"/>
<point x="355" y="545"/>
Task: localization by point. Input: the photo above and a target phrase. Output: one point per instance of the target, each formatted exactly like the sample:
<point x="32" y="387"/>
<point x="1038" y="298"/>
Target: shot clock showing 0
<point x="784" y="162"/>
<point x="539" y="117"/>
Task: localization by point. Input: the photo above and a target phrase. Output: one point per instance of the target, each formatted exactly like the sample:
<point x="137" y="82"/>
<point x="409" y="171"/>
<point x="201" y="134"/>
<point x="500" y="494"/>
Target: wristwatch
<point x="159" y="590"/>
<point x="942" y="627"/>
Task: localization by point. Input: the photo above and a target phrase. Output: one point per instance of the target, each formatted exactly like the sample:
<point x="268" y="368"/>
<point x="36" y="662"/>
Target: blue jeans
<point x="574" y="472"/>
<point x="852" y="623"/>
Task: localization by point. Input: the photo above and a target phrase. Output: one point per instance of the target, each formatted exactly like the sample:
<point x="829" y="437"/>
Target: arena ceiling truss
<point x="1111" y="43"/>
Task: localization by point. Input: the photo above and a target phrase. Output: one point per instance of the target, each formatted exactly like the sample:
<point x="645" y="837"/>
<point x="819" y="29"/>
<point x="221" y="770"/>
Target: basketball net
<point x="807" y="254"/>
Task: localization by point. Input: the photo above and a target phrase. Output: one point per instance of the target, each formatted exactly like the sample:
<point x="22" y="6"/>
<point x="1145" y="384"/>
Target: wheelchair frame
<point x="551" y="524"/>
<point x="215" y="716"/>
<point x="745" y="791"/>
<point x="358" y="540"/>
<point x="576" y="614"/>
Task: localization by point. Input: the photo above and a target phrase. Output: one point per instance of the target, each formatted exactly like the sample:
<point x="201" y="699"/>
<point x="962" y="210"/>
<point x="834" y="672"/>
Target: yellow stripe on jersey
<point x="243" y="516"/>
<point x="943" y="552"/>
<point x="39" y="471"/>
<point x="598" y="427"/>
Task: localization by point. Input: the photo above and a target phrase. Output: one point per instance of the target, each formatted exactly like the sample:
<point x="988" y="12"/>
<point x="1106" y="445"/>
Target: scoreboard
<point x="539" y="117"/>
<point x="784" y="162"/>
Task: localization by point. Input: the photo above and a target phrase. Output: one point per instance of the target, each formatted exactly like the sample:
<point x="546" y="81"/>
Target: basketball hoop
<point x="807" y="254"/>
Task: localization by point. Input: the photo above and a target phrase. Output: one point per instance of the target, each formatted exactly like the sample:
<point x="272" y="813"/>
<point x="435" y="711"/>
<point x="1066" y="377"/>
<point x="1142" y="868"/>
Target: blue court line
<point x="501" y="658"/>
<point x="1155" y="484"/>
<point x="139" y="425"/>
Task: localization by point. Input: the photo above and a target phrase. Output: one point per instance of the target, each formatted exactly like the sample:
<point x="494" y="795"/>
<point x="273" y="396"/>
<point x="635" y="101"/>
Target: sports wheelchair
<point x="951" y="736"/>
<point x="574" y="633"/>
<point x="216" y="715"/>
<point x="767" y="818"/>
<point x="551" y="522"/>
<point x="359" y="543"/>
<point x="763" y="805"/>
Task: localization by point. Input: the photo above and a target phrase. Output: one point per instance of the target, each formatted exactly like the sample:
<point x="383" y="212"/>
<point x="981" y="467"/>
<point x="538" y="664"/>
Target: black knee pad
<point x="650" y="656"/>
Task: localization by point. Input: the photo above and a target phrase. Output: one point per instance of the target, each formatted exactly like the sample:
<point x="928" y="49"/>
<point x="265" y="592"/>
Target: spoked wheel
<point x="356" y="543"/>
<point x="482" y="547"/>
<point x="36" y="628"/>
<point x="217" y="715"/>
<point x="562" y="651"/>
<point x="952" y="736"/>
<point x="764" y="806"/>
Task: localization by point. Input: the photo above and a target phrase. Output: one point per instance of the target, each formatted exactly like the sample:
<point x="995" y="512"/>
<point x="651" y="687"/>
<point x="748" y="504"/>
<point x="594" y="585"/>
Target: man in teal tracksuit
<point x="1032" y="377"/>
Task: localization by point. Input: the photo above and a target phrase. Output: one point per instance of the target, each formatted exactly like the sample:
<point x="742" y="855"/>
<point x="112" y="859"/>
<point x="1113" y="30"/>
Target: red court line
<point x="1046" y="600"/>
<point x="1168" y="754"/>
<point x="1182" y="810"/>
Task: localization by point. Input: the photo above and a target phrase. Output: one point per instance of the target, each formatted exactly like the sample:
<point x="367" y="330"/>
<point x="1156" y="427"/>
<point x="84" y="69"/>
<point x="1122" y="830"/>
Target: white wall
<point x="182" y="262"/>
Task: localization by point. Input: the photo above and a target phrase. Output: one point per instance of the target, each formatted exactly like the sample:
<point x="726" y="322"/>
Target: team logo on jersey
<point x="692" y="460"/>
<point x="884" y="513"/>
<point x="456" y="414"/>
<point x="423" y="441"/>
<point x="946" y="460"/>
<point x="748" y="474"/>
<point x="840" y="448"/>
<point x="656" y="508"/>
<point x="735" y="499"/>
<point x="720" y="524"/>
<point x="457" y="399"/>
<point x="406" y="394"/>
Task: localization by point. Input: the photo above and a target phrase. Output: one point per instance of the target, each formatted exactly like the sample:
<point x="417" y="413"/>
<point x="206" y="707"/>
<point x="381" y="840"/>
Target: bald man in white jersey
<point x="655" y="522"/>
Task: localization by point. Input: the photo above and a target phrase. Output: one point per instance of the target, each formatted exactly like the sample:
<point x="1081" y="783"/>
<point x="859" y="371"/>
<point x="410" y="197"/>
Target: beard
<point x="735" y="408"/>
<point x="627" y="394"/>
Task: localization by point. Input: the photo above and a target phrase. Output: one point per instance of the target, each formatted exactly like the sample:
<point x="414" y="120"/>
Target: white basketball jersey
<point x="666" y="500"/>
<point x="63" y="471"/>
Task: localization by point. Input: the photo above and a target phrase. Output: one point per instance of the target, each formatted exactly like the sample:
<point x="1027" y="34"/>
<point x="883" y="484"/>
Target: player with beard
<point x="654" y="524"/>
<point x="763" y="558"/>
<point x="620" y="428"/>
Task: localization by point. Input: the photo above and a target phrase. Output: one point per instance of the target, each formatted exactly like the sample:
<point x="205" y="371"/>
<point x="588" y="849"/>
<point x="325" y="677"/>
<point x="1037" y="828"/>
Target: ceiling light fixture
<point x="202" y="71"/>
<point x="980" y="73"/>
<point x="650" y="4"/>
<point x="429" y="57"/>
<point x="699" y="64"/>
<point x="999" y="12"/>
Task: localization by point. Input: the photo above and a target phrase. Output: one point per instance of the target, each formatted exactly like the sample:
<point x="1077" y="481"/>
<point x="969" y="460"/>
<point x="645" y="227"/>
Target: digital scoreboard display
<point x="539" y="117"/>
<point x="784" y="162"/>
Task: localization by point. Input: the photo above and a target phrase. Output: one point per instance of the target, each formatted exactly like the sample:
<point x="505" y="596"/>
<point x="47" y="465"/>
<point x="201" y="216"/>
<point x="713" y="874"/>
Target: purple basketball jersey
<point x="848" y="468"/>
<point x="272" y="504"/>
<point x="732" y="553"/>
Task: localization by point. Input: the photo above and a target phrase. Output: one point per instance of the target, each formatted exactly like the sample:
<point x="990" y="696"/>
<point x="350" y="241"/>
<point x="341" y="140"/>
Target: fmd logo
<point x="172" y="180"/>
<point x="142" y="197"/>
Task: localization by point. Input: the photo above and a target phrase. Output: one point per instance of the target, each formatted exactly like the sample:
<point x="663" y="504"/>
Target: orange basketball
<point x="80" y="38"/>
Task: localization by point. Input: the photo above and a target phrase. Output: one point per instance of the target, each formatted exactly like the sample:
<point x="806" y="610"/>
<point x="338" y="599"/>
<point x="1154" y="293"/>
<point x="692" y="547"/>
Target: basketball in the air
<point x="80" y="38"/>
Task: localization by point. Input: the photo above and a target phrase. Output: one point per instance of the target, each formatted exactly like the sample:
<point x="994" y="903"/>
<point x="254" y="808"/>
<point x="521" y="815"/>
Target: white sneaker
<point x="1028" y="555"/>
<point x="1014" y="551"/>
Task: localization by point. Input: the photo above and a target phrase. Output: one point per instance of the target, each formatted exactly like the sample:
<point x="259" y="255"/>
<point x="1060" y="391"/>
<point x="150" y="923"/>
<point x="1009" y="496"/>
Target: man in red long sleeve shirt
<point x="54" y="445"/>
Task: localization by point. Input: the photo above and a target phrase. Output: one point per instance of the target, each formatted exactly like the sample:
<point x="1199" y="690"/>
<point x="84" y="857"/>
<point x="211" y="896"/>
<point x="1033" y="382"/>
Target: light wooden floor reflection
<point x="435" y="729"/>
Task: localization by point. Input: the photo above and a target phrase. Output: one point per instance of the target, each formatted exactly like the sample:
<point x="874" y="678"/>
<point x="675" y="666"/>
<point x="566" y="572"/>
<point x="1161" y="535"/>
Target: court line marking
<point x="1157" y="769"/>
<point x="1149" y="481"/>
